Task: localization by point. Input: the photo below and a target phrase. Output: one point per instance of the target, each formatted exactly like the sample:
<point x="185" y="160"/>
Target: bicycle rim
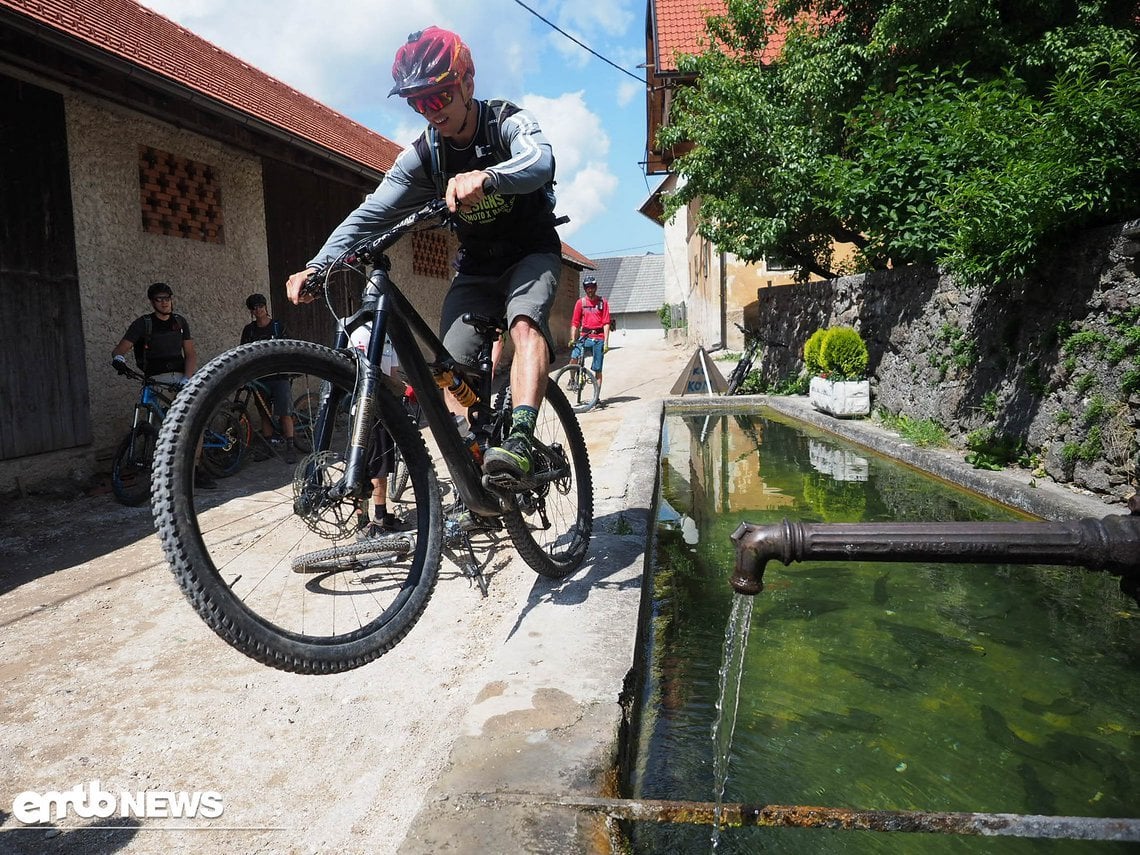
<point x="232" y="550"/>
<point x="131" y="468"/>
<point x="579" y="386"/>
<point x="552" y="524"/>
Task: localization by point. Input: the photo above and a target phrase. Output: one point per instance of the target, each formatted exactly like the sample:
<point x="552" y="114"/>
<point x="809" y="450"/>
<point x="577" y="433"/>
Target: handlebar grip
<point x="314" y="286"/>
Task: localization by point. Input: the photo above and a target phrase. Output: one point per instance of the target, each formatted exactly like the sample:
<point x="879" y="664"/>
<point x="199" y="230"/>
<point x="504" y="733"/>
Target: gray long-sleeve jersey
<point x="515" y="220"/>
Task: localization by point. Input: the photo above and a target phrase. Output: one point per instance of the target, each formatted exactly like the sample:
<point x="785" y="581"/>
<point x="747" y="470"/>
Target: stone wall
<point x="1054" y="360"/>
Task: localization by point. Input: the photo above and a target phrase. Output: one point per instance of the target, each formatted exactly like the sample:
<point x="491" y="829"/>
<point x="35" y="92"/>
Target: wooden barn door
<point x="301" y="209"/>
<point x="44" y="403"/>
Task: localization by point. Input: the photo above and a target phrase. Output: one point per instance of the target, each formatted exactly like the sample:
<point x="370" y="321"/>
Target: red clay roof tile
<point x="151" y="41"/>
<point x="680" y="29"/>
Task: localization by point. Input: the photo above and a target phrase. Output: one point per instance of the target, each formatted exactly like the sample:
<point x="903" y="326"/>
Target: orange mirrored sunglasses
<point x="433" y="102"/>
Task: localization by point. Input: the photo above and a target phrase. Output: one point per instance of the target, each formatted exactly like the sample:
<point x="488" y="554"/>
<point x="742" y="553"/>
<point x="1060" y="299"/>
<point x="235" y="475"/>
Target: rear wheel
<point x="552" y="523"/>
<point x="234" y="551"/>
<point x="739" y="373"/>
<point x="579" y="385"/>
<point x="225" y="443"/>
<point x="132" y="465"/>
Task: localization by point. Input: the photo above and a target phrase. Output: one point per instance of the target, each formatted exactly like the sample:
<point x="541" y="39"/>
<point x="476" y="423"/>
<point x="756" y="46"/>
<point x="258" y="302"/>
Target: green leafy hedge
<point x="836" y="352"/>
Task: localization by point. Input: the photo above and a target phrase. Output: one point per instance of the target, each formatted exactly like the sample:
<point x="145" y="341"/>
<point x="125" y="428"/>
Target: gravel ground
<point x="107" y="675"/>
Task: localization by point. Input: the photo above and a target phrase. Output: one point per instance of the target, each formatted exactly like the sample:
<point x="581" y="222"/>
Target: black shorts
<point x="526" y="289"/>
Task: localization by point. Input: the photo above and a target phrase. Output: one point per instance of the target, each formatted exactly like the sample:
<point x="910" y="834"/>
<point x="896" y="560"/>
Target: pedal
<point x="503" y="483"/>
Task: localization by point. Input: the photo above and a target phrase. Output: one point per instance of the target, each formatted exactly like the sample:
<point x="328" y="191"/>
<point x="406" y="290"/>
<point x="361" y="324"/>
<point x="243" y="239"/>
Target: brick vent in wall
<point x="180" y="197"/>
<point x="430" y="256"/>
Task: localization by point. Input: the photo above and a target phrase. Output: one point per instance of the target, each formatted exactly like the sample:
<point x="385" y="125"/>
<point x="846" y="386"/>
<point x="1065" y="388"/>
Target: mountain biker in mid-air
<point x="492" y="164"/>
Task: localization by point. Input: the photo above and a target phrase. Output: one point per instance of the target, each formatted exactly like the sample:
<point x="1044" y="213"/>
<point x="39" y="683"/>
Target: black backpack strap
<point x="437" y="165"/>
<point x="494" y="120"/>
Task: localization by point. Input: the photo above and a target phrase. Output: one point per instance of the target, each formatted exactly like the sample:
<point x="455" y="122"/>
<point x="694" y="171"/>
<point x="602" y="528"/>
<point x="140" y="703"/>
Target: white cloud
<point x="629" y="92"/>
<point x="585" y="181"/>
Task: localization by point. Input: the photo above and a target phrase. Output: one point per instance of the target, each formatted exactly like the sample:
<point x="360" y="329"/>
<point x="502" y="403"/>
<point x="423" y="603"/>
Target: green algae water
<point x="895" y="686"/>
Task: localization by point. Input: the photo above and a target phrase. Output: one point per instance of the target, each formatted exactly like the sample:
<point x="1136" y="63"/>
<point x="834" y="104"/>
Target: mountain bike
<point x="255" y="397"/>
<point x="275" y="570"/>
<point x="744" y="365"/>
<point x="222" y="447"/>
<point x="577" y="381"/>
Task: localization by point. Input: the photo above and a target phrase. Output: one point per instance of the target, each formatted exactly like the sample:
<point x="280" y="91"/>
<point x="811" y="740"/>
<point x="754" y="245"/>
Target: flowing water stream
<point x="869" y="686"/>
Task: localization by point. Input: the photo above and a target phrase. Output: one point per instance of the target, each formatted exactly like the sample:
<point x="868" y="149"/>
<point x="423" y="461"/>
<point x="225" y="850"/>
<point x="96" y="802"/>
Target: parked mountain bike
<point x="131" y="467"/>
<point x="276" y="570"/>
<point x="743" y="367"/>
<point x="577" y="381"/>
<point x="254" y="398"/>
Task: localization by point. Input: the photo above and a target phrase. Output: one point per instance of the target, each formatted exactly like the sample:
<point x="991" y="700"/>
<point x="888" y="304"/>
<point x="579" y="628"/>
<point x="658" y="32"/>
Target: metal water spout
<point x="1111" y="545"/>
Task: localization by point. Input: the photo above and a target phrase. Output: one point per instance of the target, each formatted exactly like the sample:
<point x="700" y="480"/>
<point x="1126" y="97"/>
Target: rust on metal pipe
<point x="1111" y="544"/>
<point x="736" y="815"/>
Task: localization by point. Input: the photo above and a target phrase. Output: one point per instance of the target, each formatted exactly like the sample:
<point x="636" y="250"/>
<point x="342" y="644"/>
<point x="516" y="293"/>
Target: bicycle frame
<point x="382" y="303"/>
<point x="153" y="402"/>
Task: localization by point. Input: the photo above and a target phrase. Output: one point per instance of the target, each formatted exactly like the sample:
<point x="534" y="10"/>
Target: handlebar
<point x="127" y="371"/>
<point x="366" y="251"/>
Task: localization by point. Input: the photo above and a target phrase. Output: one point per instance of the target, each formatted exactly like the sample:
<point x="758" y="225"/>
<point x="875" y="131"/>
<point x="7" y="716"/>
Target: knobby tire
<point x="580" y="387"/>
<point x="231" y="549"/>
<point x="559" y="550"/>
<point x="131" y="468"/>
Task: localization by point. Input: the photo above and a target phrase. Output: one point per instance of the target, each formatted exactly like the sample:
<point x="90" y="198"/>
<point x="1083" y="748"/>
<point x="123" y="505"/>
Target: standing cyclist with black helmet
<point x="164" y="350"/>
<point x="491" y="163"/>
<point x="260" y="328"/>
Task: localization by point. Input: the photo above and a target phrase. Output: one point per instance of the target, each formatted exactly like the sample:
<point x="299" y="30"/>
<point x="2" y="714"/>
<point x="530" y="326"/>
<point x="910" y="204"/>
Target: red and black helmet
<point x="431" y="59"/>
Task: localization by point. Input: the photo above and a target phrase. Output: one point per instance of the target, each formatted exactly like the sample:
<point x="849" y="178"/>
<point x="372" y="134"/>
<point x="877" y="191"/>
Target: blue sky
<point x="340" y="52"/>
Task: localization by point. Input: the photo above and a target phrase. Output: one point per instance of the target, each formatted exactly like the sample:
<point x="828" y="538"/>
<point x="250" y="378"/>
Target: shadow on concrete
<point x="609" y="555"/>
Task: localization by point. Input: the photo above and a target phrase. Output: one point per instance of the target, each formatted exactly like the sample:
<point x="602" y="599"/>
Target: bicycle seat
<point x="485" y="325"/>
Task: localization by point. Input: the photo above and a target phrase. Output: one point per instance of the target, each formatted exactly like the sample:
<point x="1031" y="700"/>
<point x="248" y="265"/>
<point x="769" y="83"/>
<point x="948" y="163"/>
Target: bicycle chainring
<point x="316" y="477"/>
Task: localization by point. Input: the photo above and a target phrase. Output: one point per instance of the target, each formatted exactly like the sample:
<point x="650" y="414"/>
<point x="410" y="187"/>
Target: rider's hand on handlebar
<point x="467" y="190"/>
<point x="119" y="363"/>
<point x="295" y="287"/>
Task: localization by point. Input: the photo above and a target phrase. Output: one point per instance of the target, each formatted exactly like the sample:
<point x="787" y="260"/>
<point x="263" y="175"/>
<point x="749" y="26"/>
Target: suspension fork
<point x="375" y="303"/>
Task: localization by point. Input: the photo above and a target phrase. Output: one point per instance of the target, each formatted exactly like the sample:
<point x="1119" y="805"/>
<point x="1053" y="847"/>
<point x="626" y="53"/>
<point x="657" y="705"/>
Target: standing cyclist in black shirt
<point x="263" y="327"/>
<point x="163" y="346"/>
<point x="164" y="350"/>
<point x="491" y="163"/>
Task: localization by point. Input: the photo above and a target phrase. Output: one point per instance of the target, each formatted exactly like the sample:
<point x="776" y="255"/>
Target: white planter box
<point x="840" y="398"/>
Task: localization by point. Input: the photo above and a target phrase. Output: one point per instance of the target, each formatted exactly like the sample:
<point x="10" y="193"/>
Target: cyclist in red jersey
<point x="591" y="321"/>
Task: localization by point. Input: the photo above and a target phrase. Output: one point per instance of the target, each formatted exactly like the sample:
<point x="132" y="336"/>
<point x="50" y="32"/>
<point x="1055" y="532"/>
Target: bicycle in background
<point x="743" y="367"/>
<point x="131" y="468"/>
<point x="577" y="381"/>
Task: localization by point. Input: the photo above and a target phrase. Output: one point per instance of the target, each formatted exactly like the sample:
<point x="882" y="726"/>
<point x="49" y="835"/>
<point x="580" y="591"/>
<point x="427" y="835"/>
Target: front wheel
<point x="551" y="524"/>
<point x="263" y="560"/>
<point x="579" y="385"/>
<point x="131" y="468"/>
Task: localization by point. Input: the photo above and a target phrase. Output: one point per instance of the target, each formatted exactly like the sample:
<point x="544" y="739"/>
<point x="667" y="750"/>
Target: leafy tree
<point x="967" y="133"/>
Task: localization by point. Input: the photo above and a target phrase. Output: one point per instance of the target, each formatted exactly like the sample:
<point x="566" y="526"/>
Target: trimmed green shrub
<point x="812" y="362"/>
<point x="843" y="354"/>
